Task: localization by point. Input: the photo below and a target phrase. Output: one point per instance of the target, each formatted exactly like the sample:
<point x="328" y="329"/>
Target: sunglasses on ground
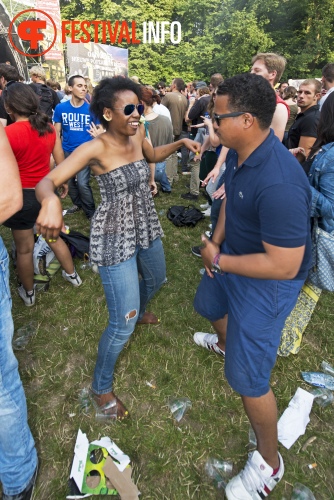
<point x="129" y="109"/>
<point x="217" y="118"/>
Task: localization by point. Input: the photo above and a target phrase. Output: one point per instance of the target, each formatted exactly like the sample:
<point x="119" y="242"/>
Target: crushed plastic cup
<point x="178" y="407"/>
<point x="322" y="396"/>
<point x="301" y="492"/>
<point x="327" y="368"/>
<point x="219" y="471"/>
<point x="23" y="335"/>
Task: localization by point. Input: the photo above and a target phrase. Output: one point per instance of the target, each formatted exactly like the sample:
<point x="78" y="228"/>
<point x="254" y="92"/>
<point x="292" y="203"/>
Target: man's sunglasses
<point x="129" y="109"/>
<point x="217" y="118"/>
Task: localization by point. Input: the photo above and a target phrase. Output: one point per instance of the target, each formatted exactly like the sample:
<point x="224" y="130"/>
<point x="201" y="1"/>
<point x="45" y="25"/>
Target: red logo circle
<point x="27" y="53"/>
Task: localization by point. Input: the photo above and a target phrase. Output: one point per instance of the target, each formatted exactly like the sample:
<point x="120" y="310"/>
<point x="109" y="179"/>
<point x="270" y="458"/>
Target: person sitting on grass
<point x="125" y="233"/>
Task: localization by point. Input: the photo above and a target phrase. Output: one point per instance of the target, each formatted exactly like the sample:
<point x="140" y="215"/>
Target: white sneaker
<point x="208" y="341"/>
<point x="204" y="206"/>
<point x="28" y="298"/>
<point x="74" y="278"/>
<point x="255" y="481"/>
<point x="207" y="212"/>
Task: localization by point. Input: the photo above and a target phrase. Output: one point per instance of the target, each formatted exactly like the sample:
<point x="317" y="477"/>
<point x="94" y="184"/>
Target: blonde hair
<point x="273" y="62"/>
<point x="37" y="71"/>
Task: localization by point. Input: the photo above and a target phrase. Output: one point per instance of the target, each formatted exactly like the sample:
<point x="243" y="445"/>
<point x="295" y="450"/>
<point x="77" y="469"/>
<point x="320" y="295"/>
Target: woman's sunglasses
<point x="129" y="109"/>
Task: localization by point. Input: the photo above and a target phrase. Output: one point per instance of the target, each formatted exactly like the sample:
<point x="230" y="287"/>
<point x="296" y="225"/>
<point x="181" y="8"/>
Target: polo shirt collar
<point x="309" y="110"/>
<point x="262" y="151"/>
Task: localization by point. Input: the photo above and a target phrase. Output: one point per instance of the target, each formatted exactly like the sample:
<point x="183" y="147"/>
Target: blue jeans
<point x="127" y="298"/>
<point x="18" y="457"/>
<point x="161" y="176"/>
<point x="80" y="191"/>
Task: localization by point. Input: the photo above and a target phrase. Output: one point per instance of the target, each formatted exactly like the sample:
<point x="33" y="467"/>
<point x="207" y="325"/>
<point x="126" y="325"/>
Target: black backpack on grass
<point x="184" y="216"/>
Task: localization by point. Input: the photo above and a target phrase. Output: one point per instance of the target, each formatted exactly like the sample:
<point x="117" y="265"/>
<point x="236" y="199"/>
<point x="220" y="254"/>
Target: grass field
<point x="168" y="459"/>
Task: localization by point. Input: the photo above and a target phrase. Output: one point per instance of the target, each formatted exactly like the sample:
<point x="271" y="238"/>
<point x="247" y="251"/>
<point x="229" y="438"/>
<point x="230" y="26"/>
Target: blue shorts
<point x="257" y="310"/>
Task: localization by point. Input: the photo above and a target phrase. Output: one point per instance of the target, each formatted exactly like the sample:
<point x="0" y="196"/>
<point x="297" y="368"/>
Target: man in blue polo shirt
<point x="260" y="250"/>
<point x="73" y="119"/>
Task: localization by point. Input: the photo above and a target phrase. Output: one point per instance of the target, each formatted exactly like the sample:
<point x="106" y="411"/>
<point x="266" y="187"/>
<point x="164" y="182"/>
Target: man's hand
<point x="219" y="194"/>
<point x="208" y="252"/>
<point x="63" y="190"/>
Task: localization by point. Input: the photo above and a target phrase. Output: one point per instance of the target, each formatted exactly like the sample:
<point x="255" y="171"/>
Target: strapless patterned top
<point x="126" y="217"/>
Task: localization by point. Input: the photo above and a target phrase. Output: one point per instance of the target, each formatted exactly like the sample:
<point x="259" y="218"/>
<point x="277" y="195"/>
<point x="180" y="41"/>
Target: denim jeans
<point x="161" y="176"/>
<point x="184" y="150"/>
<point x="18" y="457"/>
<point x="80" y="191"/>
<point x="127" y="298"/>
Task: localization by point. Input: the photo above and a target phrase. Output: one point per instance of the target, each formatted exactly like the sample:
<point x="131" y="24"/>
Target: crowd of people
<point x="264" y="153"/>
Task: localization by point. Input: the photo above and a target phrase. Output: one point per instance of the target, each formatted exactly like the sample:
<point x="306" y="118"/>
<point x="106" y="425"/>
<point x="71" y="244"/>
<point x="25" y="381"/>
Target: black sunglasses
<point x="129" y="109"/>
<point x="217" y="118"/>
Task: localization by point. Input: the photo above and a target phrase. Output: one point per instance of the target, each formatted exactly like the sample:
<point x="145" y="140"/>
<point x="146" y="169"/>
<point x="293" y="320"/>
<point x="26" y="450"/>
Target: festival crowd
<point x="264" y="152"/>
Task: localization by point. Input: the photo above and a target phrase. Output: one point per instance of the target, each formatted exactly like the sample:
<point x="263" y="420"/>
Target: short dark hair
<point x="289" y="92"/>
<point x="161" y="84"/>
<point x="179" y="83"/>
<point x="9" y="73"/>
<point x="328" y="72"/>
<point x="72" y="78"/>
<point x="106" y="93"/>
<point x="22" y="100"/>
<point x="252" y="93"/>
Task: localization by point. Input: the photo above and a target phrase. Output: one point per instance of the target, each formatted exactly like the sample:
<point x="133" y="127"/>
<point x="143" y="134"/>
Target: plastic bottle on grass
<point x="323" y="397"/>
<point x="84" y="400"/>
<point x="327" y="368"/>
<point x="220" y="471"/>
<point x="301" y="492"/>
<point x="178" y="407"/>
<point x="23" y="335"/>
<point x="319" y="379"/>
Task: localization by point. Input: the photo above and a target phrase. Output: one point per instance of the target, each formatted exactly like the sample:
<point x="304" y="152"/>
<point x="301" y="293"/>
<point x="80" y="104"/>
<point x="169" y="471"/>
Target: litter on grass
<point x="23" y="335"/>
<point x="301" y="492"/>
<point x="219" y="471"/>
<point x="295" y="418"/>
<point x="178" y="407"/>
<point x="101" y="468"/>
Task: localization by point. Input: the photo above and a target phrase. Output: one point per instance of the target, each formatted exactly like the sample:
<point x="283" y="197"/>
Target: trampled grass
<point x="168" y="458"/>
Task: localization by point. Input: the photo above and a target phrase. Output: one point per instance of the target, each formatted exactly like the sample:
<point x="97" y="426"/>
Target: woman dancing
<point x="125" y="231"/>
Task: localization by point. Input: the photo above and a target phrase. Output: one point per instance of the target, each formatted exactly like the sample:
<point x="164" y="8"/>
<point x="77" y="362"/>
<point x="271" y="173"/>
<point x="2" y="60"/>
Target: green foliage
<point x="220" y="37"/>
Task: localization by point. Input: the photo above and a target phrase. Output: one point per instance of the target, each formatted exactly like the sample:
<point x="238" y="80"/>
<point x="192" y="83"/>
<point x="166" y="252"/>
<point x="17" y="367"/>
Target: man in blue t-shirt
<point x="260" y="252"/>
<point x="73" y="119"/>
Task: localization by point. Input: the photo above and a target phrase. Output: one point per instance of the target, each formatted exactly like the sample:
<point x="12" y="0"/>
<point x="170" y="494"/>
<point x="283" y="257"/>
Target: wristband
<point x="215" y="264"/>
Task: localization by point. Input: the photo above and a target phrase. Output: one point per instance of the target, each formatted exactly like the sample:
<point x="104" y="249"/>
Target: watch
<point x="215" y="264"/>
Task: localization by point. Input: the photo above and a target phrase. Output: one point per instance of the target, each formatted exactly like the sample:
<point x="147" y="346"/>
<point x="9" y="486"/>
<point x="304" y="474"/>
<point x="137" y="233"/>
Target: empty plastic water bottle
<point x="319" y="379"/>
<point x="84" y="400"/>
<point x="323" y="397"/>
<point x="327" y="368"/>
<point x="178" y="407"/>
<point x="86" y="265"/>
<point x="301" y="492"/>
<point x="219" y="471"/>
<point x="23" y="335"/>
<point x="251" y="437"/>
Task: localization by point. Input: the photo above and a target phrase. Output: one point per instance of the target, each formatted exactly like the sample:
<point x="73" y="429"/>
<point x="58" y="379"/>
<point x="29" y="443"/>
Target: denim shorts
<point x="257" y="310"/>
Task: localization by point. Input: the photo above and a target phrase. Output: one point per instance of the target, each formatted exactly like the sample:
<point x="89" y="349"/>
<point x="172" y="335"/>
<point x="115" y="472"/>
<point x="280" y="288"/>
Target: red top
<point x="279" y="100"/>
<point x="32" y="152"/>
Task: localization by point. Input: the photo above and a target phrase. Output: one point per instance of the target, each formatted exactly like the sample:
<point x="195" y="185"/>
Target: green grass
<point x="168" y="459"/>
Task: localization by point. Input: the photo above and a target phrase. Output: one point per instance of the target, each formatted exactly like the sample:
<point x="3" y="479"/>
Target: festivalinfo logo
<point x="36" y="32"/>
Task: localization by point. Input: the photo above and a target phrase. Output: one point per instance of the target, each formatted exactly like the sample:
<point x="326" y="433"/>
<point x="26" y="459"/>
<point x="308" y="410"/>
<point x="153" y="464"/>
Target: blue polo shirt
<point x="75" y="123"/>
<point x="268" y="199"/>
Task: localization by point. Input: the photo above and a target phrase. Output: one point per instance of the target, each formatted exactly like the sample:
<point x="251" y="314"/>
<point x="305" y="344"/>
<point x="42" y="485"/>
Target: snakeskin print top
<point x="126" y="217"/>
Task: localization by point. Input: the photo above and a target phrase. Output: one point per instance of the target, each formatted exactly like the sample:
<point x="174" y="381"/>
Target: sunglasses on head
<point x="217" y="118"/>
<point x="129" y="109"/>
